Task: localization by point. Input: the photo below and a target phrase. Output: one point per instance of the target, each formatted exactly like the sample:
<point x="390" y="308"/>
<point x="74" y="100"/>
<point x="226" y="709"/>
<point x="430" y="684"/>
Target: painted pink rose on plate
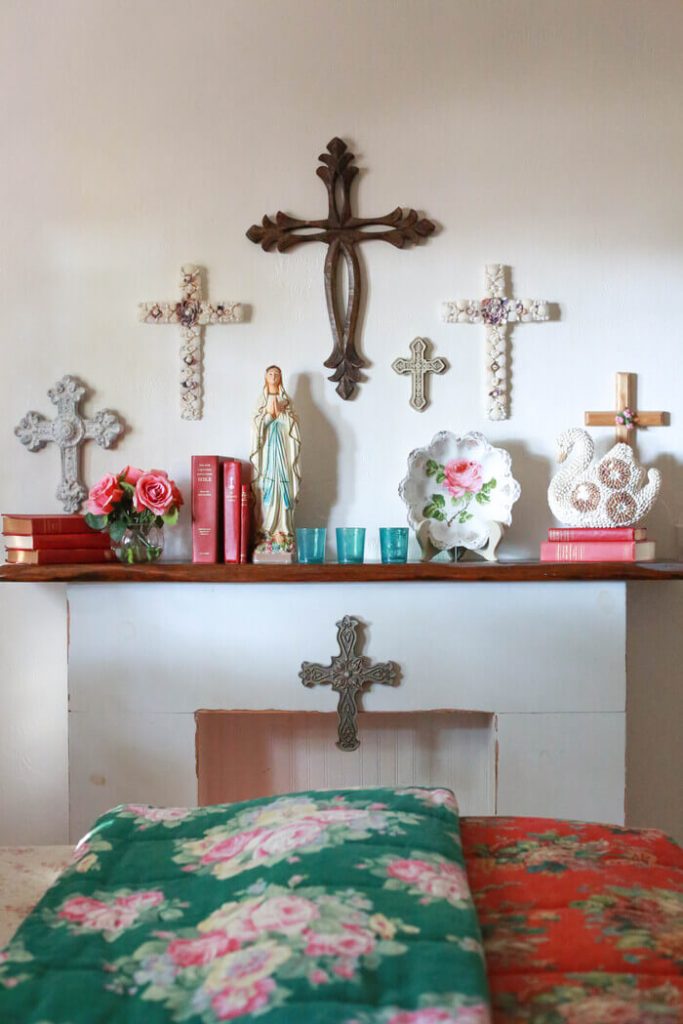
<point x="463" y="477"/>
<point x="155" y="492"/>
<point x="104" y="495"/>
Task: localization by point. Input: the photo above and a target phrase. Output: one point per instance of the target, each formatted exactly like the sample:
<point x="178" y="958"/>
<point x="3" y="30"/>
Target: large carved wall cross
<point x="341" y="232"/>
<point x="348" y="673"/>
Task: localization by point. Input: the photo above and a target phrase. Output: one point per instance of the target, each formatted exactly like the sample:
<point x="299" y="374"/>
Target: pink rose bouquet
<point x="134" y="499"/>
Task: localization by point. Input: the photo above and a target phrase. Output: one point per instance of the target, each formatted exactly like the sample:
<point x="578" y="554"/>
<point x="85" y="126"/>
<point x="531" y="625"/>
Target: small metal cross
<point x="347" y="674"/>
<point x="69" y="430"/>
<point x="496" y="311"/>
<point x="419" y="366"/>
<point x="342" y="233"/>
<point x="191" y="314"/>
<point x="626" y="415"/>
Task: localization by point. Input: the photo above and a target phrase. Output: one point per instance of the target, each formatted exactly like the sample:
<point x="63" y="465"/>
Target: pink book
<point x="206" y="493"/>
<point x="582" y="534"/>
<point x="232" y="511"/>
<point x="598" y="551"/>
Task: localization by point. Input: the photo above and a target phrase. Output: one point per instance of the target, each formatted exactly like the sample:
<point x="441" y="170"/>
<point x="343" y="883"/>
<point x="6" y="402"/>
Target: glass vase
<point x="142" y="542"/>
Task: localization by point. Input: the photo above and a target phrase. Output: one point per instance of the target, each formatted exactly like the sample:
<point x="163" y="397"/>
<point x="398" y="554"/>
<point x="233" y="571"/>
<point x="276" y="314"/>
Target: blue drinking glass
<point x="393" y="542"/>
<point x="350" y="544"/>
<point x="310" y="545"/>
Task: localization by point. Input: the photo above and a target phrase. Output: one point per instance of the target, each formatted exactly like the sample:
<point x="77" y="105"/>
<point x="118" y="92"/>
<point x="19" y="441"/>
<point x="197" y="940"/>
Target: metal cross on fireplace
<point x="341" y="232"/>
<point x="347" y="674"/>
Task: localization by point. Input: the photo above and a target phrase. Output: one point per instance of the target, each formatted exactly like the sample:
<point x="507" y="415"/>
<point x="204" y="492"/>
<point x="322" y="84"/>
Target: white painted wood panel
<point x="562" y="766"/>
<point x="490" y="647"/>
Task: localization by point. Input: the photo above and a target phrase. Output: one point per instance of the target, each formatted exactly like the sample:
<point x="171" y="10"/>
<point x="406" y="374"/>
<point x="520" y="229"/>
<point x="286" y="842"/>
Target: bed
<point x="353" y="907"/>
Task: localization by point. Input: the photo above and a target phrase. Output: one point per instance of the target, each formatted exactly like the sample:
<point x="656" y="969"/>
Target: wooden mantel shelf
<point x="458" y="572"/>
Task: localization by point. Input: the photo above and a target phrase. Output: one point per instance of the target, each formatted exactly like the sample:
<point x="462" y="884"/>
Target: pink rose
<point x="235" y="1001"/>
<point x="288" y="837"/>
<point x="140" y="901"/>
<point x="131" y="475"/>
<point x="79" y="907"/>
<point x="465" y="1015"/>
<point x="410" y="871"/>
<point x="345" y="969"/>
<point x="195" y="952"/>
<point x="463" y="477"/>
<point x="104" y="495"/>
<point x="318" y="977"/>
<point x="445" y="887"/>
<point x="286" y="914"/>
<point x="350" y="943"/>
<point x="154" y="491"/>
<point x="232" y="847"/>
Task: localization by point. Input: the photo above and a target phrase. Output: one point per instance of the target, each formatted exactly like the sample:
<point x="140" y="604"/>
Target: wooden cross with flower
<point x="626" y="417"/>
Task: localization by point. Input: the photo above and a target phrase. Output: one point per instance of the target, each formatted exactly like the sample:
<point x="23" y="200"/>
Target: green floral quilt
<point x="332" y="907"/>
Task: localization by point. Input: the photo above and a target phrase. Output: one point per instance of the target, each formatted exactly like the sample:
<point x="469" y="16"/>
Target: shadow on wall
<point x="531" y="516"/>
<point x="319" y="457"/>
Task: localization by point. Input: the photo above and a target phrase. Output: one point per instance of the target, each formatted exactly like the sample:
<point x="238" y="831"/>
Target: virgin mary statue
<point x="275" y="450"/>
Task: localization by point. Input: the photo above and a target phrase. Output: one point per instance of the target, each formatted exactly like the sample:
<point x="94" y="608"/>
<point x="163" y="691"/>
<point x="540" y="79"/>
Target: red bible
<point x="232" y="502"/>
<point x="245" y="523"/>
<point x="206" y="504"/>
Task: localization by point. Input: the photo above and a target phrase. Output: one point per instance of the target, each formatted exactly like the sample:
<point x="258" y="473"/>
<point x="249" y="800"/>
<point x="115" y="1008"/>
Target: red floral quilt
<point x="582" y="923"/>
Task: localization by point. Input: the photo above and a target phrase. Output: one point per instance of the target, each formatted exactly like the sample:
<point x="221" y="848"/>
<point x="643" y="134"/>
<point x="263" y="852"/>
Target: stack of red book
<point x="221" y="510"/>
<point x="612" y="544"/>
<point x="53" y="540"/>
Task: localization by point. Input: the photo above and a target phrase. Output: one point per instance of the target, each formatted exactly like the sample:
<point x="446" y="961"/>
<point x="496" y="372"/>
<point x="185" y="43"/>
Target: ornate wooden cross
<point x="495" y="311"/>
<point x="347" y="674"/>
<point x="69" y="430"/>
<point x="341" y="232"/>
<point x="626" y="417"/>
<point x="419" y="366"/>
<point x="191" y="314"/>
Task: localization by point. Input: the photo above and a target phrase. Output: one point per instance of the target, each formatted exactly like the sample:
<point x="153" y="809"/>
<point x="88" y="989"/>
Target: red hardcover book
<point x="206" y="507"/>
<point x="245" y="523"/>
<point x="81" y="556"/>
<point x="232" y="507"/>
<point x="598" y="551"/>
<point x="51" y="541"/>
<point x="583" y="534"/>
<point x="30" y="526"/>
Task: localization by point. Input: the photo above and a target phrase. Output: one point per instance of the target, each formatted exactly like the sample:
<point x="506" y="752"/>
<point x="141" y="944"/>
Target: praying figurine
<point x="275" y="452"/>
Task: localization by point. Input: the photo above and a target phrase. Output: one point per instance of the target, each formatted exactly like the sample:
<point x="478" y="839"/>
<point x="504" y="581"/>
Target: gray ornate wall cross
<point x="191" y="314"/>
<point x="419" y="366"/>
<point x="347" y="674"/>
<point x="69" y="430"/>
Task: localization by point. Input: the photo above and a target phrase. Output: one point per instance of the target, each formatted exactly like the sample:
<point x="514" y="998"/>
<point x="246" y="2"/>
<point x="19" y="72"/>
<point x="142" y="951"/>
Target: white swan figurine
<point x="602" y="494"/>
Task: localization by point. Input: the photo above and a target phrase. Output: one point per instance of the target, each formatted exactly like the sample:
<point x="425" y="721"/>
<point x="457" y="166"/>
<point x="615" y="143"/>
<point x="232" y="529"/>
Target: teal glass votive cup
<point x="350" y="545"/>
<point x="310" y="545"/>
<point x="393" y="543"/>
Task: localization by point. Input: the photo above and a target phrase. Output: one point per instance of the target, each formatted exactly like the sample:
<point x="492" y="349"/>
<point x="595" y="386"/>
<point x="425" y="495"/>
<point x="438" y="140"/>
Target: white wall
<point x="142" y="134"/>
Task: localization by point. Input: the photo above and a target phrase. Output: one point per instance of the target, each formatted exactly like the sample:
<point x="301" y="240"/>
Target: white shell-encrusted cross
<point x="418" y="367"/>
<point x="69" y="430"/>
<point x="191" y="313"/>
<point x="495" y="311"/>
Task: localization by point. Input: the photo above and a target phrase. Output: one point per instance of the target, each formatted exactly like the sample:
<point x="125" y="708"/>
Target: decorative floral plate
<point x="459" y="492"/>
